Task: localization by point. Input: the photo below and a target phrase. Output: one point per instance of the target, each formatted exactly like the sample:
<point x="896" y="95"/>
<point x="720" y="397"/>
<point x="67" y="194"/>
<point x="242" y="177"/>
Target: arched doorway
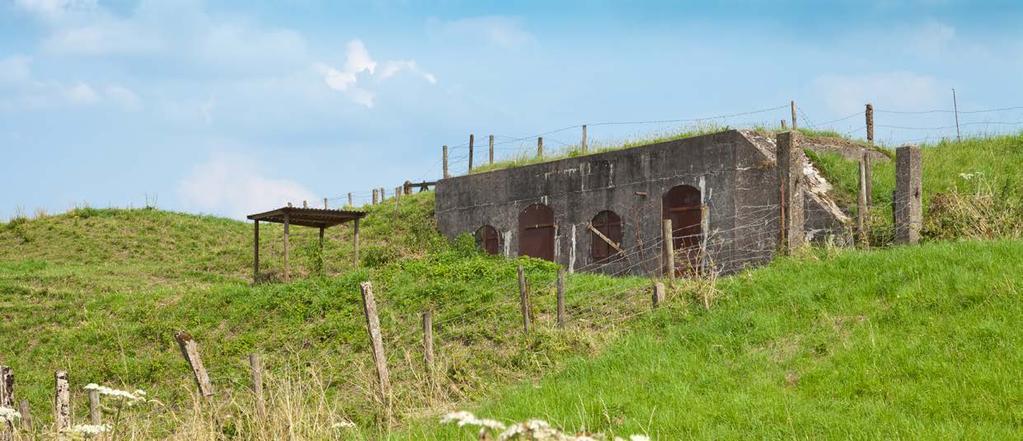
<point x="609" y="225"/>
<point x="488" y="240"/>
<point x="536" y="232"/>
<point x="682" y="204"/>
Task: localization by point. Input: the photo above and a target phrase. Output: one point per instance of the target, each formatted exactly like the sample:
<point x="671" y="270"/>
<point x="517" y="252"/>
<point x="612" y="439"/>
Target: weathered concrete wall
<point x="734" y="171"/>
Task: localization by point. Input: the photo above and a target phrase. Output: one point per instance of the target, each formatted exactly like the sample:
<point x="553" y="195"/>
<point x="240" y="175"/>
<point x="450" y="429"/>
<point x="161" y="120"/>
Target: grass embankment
<point x="972" y="189"/>
<point x="912" y="342"/>
<point x="100" y="293"/>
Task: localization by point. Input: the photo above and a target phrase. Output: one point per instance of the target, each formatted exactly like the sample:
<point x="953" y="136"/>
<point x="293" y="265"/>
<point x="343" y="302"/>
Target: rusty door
<point x="610" y="225"/>
<point x="683" y="206"/>
<point x="536" y="232"/>
<point x="488" y="240"/>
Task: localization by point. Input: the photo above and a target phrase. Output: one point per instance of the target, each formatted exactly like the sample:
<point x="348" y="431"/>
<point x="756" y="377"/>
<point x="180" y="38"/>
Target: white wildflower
<point x="90" y="430"/>
<point x="966" y="176"/>
<point x="343" y="425"/>
<point x="8" y="415"/>
<point x="129" y="397"/>
<point x="463" y="418"/>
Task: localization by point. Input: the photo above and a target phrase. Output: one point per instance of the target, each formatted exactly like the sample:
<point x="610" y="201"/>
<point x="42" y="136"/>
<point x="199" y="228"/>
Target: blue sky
<point x="234" y="107"/>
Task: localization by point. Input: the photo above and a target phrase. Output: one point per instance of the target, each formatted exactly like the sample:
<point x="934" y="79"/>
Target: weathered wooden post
<point x="190" y="350"/>
<point x="255" y="251"/>
<point x="908" y="195"/>
<point x="95" y="411"/>
<point x="784" y="125"/>
<point x="369" y="305"/>
<point x="287" y="247"/>
<point x="305" y="204"/>
<point x="861" y="205"/>
<point x="658" y="294"/>
<point x="61" y="403"/>
<point x="472" y="140"/>
<point x="524" y="299"/>
<point x="790" y="171"/>
<point x="256" y="365"/>
<point x="561" y="297"/>
<point x="376" y="195"/>
<point x="869" y="173"/>
<point x="407" y="187"/>
<point x="539" y="147"/>
<point x="7" y="400"/>
<point x="445" y="166"/>
<point x="582" y="144"/>
<point x="26" y="415"/>
<point x="668" y="249"/>
<point x="792" y="107"/>
<point x="350" y="204"/>
<point x="355" y="240"/>
<point x="869" y="115"/>
<point x="324" y="203"/>
<point x="491" y="149"/>
<point x="428" y="345"/>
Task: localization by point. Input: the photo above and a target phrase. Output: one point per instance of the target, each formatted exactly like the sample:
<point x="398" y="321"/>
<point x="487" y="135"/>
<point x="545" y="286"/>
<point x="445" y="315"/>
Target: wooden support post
<point x="472" y="139"/>
<point x="377" y="345"/>
<point x="190" y="350"/>
<point x="668" y="239"/>
<point x="428" y="345"/>
<point x="407" y="188"/>
<point x="792" y="106"/>
<point x="382" y="195"/>
<point x="324" y="203"/>
<point x="256" y="365"/>
<point x="350" y="204"/>
<point x="61" y="403"/>
<point x="524" y="299"/>
<point x="95" y="411"/>
<point x="539" y="147"/>
<point x="861" y="206"/>
<point x="355" y="241"/>
<point x="561" y="297"/>
<point x="790" y="161"/>
<point x="6" y="400"/>
<point x="445" y="166"/>
<point x="658" y="294"/>
<point x="606" y="239"/>
<point x="287" y="239"/>
<point x="321" y="239"/>
<point x="26" y="415"/>
<point x="869" y="115"/>
<point x="397" y="193"/>
<point x="305" y="204"/>
<point x="908" y="194"/>
<point x="784" y="125"/>
<point x="583" y="144"/>
<point x="375" y="196"/>
<point x="869" y="169"/>
<point x="255" y="251"/>
<point x="491" y="142"/>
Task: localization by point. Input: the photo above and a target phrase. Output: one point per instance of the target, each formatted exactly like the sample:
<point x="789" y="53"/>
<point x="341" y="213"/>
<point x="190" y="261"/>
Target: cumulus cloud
<point x="503" y="31"/>
<point x="54" y="9"/>
<point x="234" y="185"/>
<point x="22" y="90"/>
<point x="894" y="90"/>
<point x="359" y="64"/>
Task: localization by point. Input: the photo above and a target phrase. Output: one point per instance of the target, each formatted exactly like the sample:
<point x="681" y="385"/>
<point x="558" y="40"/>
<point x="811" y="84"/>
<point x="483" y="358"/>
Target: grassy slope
<point x="914" y="342"/>
<point x="100" y="293"/>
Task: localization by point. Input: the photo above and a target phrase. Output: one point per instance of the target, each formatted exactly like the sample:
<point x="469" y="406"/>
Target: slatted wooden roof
<point x="308" y="217"/>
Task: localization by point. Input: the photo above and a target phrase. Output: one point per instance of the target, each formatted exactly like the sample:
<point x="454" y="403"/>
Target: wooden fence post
<point x="658" y="294"/>
<point x="539" y="147"/>
<point x="472" y="141"/>
<point x="61" y="403"/>
<point x="861" y="205"/>
<point x="428" y="345"/>
<point x="784" y="125"/>
<point x="869" y="169"/>
<point x="7" y="400"/>
<point x="792" y="107"/>
<point x="190" y="350"/>
<point x="582" y="144"/>
<point x="524" y="299"/>
<point x="369" y="305"/>
<point x="869" y="115"/>
<point x="445" y="166"/>
<point x="350" y="205"/>
<point x="95" y="411"/>
<point x="668" y="241"/>
<point x="561" y="297"/>
<point x="491" y="149"/>
<point x="256" y="364"/>
<point x="26" y="415"/>
<point x="375" y="196"/>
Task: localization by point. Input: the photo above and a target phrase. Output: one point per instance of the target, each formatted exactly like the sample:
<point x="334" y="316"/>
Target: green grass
<point x="912" y="342"/>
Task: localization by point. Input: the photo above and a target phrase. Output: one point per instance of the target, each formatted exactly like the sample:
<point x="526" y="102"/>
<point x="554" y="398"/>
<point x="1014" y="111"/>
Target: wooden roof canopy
<point x="308" y="217"/>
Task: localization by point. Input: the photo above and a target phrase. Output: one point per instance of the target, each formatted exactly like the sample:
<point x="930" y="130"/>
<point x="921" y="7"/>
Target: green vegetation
<point x="911" y="342"/>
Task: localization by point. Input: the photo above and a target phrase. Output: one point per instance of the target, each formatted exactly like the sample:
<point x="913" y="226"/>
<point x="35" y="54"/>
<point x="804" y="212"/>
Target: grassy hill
<point x="101" y="292"/>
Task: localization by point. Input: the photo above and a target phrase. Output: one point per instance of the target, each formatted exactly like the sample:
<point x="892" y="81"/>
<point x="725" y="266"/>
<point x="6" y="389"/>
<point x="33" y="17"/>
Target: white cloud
<point x="506" y="32"/>
<point x="359" y="64"/>
<point x="234" y="185"/>
<point x="82" y="93"/>
<point x="931" y="38"/>
<point x="123" y="97"/>
<point x="55" y="9"/>
<point x="107" y="37"/>
<point x="15" y="69"/>
<point x="894" y="90"/>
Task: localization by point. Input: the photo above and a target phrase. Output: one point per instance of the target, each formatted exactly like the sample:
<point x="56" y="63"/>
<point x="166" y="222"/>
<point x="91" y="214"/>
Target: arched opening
<point x="606" y="236"/>
<point x="536" y="232"/>
<point x="488" y="240"/>
<point x="682" y="204"/>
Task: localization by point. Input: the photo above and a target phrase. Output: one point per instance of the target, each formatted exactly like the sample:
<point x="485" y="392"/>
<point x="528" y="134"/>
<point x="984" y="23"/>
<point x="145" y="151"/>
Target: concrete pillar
<point x="908" y="195"/>
<point x="790" y="174"/>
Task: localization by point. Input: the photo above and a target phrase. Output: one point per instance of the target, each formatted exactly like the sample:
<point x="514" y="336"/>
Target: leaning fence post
<point x="428" y="345"/>
<point x="861" y="205"/>
<point x="369" y="305"/>
<point x="26" y="415"/>
<point x="658" y="294"/>
<point x="190" y="350"/>
<point x="95" y="412"/>
<point x="523" y="299"/>
<point x="256" y="364"/>
<point x="61" y="403"/>
<point x="668" y="240"/>
<point x="539" y="147"/>
<point x="561" y="297"/>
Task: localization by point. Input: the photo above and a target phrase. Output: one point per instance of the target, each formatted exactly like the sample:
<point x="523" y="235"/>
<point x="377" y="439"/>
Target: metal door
<point x="488" y="240"/>
<point x="610" y="225"/>
<point x="683" y="205"/>
<point x="536" y="232"/>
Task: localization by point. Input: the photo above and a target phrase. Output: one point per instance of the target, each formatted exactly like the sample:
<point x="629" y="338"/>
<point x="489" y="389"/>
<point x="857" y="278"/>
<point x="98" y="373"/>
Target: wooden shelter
<point x="307" y="217"/>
